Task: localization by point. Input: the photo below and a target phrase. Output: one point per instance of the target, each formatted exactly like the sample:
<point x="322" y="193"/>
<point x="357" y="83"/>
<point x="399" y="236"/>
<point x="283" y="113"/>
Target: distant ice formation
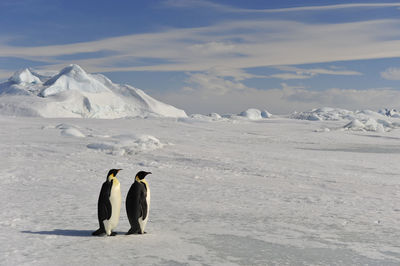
<point x="365" y="120"/>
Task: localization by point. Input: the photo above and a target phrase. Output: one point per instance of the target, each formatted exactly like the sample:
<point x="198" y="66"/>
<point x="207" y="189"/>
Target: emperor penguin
<point x="138" y="204"/>
<point x="109" y="204"/>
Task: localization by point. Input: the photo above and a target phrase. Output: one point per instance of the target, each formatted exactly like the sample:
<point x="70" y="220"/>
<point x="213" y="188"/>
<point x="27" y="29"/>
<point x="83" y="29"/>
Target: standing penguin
<point x="109" y="204"/>
<point x="138" y="204"/>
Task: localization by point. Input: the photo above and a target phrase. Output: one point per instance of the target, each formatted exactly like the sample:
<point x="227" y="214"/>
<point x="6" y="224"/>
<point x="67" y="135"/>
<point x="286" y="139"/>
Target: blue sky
<point x="217" y="56"/>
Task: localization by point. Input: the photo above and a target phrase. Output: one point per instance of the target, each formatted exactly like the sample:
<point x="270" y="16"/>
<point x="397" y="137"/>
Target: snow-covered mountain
<point x="74" y="93"/>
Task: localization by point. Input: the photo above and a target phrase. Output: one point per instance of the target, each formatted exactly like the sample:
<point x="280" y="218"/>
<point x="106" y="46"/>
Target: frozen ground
<point x="224" y="192"/>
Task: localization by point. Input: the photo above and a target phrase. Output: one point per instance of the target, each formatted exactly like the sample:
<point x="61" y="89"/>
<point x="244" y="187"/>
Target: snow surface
<point x="74" y="93"/>
<point x="250" y="192"/>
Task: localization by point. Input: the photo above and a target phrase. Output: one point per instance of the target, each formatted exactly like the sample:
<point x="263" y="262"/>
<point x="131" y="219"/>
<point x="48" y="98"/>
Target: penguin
<point x="138" y="204"/>
<point x="109" y="205"/>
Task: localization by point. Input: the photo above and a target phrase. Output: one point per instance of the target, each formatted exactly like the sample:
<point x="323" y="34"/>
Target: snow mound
<point x="213" y="117"/>
<point x="127" y="144"/>
<point x="70" y="131"/>
<point x="249" y="114"/>
<point x="255" y="114"/>
<point x="266" y="114"/>
<point x="74" y="93"/>
<point x="371" y="124"/>
<point x="252" y="114"/>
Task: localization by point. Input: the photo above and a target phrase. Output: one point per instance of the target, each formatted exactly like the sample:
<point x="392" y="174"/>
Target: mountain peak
<point x="72" y="77"/>
<point x="24" y="76"/>
<point x="72" y="71"/>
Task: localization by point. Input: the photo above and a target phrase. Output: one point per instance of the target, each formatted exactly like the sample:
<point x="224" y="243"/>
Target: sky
<point x="217" y="56"/>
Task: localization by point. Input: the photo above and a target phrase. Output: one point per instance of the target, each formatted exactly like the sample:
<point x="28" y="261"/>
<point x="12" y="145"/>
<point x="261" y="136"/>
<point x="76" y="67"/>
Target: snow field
<point x="265" y="192"/>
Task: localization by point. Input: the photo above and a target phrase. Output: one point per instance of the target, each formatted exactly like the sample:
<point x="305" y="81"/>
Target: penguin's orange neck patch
<point x="112" y="177"/>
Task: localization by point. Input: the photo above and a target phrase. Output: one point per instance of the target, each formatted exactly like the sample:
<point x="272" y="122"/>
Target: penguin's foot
<point x="99" y="232"/>
<point x="113" y="234"/>
<point x="131" y="232"/>
<point x="134" y="232"/>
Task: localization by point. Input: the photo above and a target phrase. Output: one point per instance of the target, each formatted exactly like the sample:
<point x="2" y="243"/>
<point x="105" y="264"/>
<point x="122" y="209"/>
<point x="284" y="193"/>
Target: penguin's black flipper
<point x="143" y="204"/>
<point x="104" y="205"/>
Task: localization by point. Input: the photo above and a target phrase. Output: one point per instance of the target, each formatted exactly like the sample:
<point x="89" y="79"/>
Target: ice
<point x="325" y="113"/>
<point x="364" y="120"/>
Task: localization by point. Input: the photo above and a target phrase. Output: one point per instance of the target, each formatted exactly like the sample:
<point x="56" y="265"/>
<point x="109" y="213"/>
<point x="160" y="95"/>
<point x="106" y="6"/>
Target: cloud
<point x="223" y="91"/>
<point x="217" y="81"/>
<point x="284" y="100"/>
<point x="212" y="48"/>
<point x="391" y="73"/>
<point x="346" y="98"/>
<point x="236" y="44"/>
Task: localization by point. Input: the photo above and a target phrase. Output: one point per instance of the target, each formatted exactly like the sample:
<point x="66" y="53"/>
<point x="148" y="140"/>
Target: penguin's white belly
<point x="115" y="199"/>
<point x="142" y="222"/>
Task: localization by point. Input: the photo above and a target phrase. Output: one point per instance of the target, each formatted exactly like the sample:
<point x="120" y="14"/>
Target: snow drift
<point x="127" y="144"/>
<point x="74" y="93"/>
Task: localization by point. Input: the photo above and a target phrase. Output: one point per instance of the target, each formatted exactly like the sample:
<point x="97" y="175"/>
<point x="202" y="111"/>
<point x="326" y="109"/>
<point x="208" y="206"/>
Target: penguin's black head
<point x="142" y="174"/>
<point x="113" y="172"/>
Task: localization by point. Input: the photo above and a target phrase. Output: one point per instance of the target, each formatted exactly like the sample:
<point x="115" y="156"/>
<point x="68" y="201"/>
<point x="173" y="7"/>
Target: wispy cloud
<point x="306" y="73"/>
<point x="287" y="76"/>
<point x="391" y="73"/>
<point x="319" y="8"/>
<point x="228" y="8"/>
<point x="318" y="71"/>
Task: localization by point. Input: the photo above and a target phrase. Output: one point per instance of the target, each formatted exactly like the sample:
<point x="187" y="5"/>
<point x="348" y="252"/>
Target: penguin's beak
<point x="118" y="170"/>
<point x="149" y="173"/>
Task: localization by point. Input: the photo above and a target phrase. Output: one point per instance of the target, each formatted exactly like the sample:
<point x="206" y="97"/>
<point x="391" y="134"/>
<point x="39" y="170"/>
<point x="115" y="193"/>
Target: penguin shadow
<point x="62" y="232"/>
